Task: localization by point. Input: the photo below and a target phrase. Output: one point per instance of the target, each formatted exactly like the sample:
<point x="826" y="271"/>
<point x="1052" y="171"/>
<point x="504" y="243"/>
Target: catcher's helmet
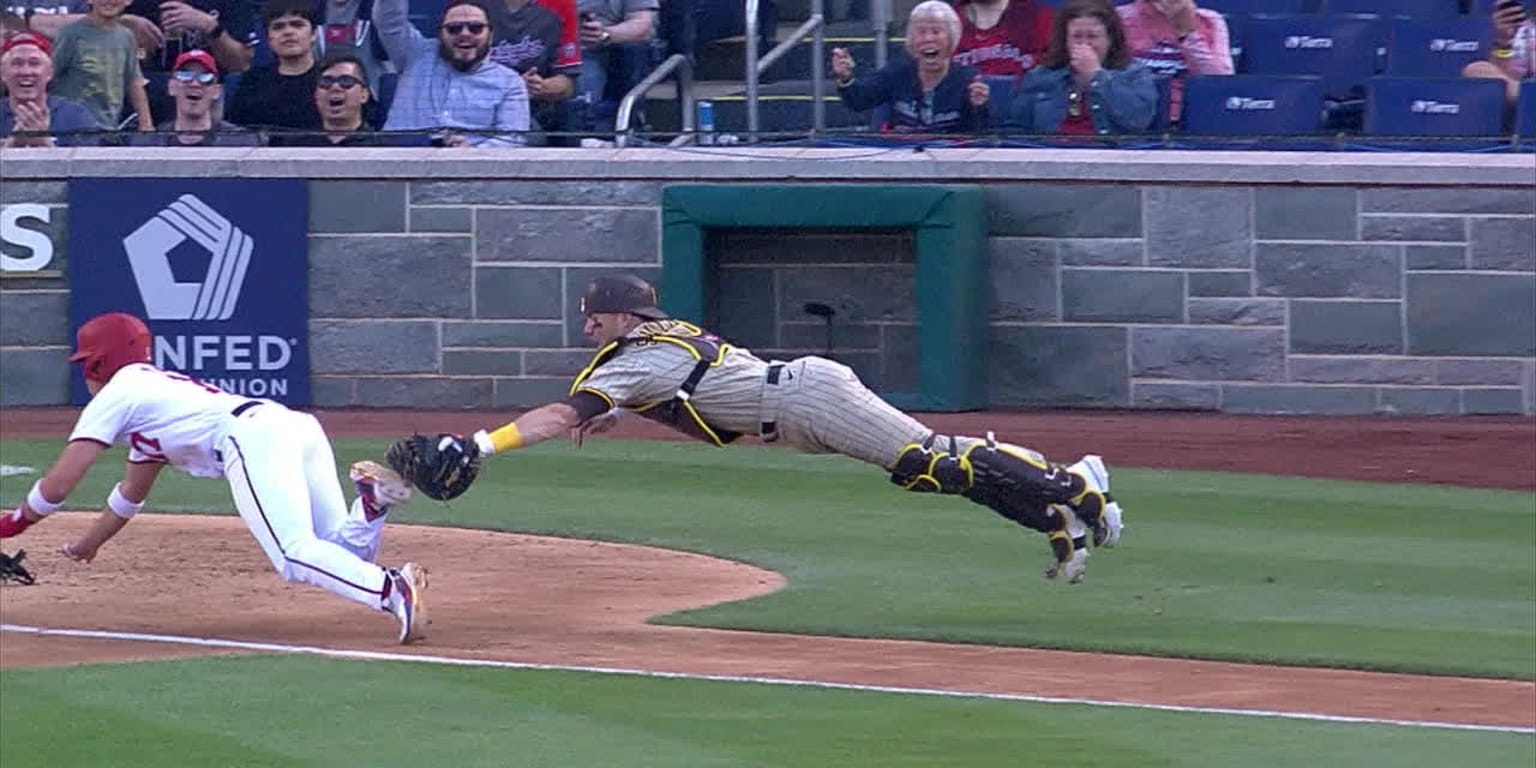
<point x="621" y="293"/>
<point x="106" y="343"/>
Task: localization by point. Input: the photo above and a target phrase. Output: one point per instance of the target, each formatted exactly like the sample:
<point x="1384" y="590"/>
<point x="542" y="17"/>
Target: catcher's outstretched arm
<point x="535" y="426"/>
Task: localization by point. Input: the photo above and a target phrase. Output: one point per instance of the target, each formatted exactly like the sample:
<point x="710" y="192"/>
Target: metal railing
<point x="622" y="131"/>
<point x="815" y="27"/>
<point x="879" y="17"/>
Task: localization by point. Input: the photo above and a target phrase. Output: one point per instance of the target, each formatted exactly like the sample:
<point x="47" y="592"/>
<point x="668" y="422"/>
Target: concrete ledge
<point x="760" y="164"/>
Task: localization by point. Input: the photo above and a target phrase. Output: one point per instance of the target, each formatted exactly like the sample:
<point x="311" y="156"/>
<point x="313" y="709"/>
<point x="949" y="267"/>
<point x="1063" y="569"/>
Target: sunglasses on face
<point x="347" y="82"/>
<point x="188" y="76"/>
<point x="457" y="27"/>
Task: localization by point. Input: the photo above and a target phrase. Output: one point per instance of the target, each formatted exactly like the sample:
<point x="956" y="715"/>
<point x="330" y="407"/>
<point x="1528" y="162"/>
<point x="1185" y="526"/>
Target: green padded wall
<point x="951" y="291"/>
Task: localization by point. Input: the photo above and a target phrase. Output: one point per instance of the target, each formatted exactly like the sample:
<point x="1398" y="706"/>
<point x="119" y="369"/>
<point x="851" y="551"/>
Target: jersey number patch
<point x="146" y="445"/>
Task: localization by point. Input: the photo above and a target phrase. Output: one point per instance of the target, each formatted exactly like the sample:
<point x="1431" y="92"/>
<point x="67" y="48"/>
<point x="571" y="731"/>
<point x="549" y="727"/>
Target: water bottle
<point x="706" y="122"/>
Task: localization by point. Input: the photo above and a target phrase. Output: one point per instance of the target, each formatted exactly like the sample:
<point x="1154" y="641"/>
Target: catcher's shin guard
<point x="1013" y="481"/>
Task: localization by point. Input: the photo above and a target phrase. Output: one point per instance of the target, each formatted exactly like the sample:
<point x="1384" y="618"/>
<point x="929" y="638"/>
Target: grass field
<point x="1332" y="573"/>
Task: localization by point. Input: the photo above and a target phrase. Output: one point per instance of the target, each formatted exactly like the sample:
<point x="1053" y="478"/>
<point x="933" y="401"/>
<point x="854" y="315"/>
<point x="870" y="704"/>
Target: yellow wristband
<point x="1504" y="53"/>
<point x="507" y="438"/>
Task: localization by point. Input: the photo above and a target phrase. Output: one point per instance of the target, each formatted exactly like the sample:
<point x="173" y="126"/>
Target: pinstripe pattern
<point x="826" y="409"/>
<point x="729" y="396"/>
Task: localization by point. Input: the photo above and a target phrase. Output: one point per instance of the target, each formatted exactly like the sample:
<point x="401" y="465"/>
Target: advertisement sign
<point x="26" y="239"/>
<point x="217" y="267"/>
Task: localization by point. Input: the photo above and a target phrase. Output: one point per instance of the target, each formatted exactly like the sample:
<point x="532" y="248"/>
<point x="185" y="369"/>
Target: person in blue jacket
<point x="924" y="90"/>
<point x="1088" y="83"/>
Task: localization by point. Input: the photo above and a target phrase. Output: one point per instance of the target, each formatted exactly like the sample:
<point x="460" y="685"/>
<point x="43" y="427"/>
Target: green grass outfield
<point x="1393" y="577"/>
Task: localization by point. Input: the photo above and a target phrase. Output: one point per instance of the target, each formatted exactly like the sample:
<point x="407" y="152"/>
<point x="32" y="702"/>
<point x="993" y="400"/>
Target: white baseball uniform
<point x="278" y="462"/>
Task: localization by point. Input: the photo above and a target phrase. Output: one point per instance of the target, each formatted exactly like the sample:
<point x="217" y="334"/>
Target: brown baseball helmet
<point x="621" y="293"/>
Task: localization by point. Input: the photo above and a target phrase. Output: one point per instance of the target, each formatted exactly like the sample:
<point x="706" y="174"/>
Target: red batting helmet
<point x="108" y="342"/>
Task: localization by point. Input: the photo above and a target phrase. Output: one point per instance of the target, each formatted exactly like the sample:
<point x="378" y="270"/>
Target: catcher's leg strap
<point x="1013" y="481"/>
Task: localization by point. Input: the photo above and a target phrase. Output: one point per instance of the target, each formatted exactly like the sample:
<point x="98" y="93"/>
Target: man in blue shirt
<point x="29" y="117"/>
<point x="448" y="85"/>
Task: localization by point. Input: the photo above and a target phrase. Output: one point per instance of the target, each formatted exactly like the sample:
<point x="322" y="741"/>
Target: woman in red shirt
<point x="1002" y="37"/>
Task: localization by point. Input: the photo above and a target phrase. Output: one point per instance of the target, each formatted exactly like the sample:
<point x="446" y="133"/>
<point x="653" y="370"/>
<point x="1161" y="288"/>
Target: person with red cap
<point x="278" y="463"/>
<point x="29" y="117"/>
<point x="195" y="87"/>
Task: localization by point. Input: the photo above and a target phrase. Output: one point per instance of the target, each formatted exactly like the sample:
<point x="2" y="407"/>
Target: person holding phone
<point x="1513" y="57"/>
<point x="615" y="46"/>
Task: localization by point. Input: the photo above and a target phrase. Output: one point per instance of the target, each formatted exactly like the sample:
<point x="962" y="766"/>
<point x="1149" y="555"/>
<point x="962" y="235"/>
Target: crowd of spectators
<point x="505" y="73"/>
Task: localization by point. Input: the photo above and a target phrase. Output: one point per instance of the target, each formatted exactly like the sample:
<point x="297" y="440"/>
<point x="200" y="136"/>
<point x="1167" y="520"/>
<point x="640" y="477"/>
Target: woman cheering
<point x="926" y="93"/>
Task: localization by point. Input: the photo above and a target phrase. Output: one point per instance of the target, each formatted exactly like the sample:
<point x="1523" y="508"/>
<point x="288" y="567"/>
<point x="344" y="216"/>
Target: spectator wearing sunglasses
<point x="194" y="88"/>
<point x="449" y="87"/>
<point x="280" y="96"/>
<point x="341" y="95"/>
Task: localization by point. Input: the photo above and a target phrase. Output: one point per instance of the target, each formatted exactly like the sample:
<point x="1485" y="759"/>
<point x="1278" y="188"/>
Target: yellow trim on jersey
<point x="714" y="437"/>
<point x="597" y="359"/>
<point x="677" y="331"/>
<point x="1019" y="454"/>
<point x="708" y="430"/>
<point x="599" y="393"/>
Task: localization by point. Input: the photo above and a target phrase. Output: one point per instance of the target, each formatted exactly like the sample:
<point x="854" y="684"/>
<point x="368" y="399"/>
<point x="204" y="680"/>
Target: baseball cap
<point x="621" y="293"/>
<point x="26" y="38"/>
<point x="196" y="57"/>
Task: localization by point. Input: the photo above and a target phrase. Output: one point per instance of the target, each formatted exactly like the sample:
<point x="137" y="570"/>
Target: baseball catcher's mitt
<point x="441" y="467"/>
<point x="11" y="568"/>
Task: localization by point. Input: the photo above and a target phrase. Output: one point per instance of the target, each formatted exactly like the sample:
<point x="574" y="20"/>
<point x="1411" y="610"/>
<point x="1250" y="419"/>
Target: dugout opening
<point x="915" y="321"/>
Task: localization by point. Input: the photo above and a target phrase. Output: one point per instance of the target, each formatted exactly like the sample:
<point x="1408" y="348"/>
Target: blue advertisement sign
<point x="218" y="268"/>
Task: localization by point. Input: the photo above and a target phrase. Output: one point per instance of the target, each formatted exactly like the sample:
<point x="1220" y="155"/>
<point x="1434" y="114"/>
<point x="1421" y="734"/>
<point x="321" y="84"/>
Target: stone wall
<point x="1327" y="283"/>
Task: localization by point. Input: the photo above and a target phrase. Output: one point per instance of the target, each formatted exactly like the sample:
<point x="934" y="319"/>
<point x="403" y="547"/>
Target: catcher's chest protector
<point x="678" y="412"/>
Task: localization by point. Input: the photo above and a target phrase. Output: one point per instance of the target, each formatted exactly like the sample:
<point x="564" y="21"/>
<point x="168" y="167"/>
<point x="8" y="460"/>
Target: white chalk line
<point x="210" y="642"/>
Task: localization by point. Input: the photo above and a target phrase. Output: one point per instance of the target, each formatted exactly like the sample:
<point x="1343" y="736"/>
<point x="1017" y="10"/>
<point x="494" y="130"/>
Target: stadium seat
<point x="1341" y="49"/>
<point x="1414" y="8"/>
<point x="1434" y="106"/>
<point x="1237" y="34"/>
<point x="1525" y="113"/>
<point x="1162" y="120"/>
<point x="381" y="101"/>
<point x="424" y="15"/>
<point x="1253" y="105"/>
<point x="1244" y="7"/>
<point x="1436" y="47"/>
<point x="1001" y="88"/>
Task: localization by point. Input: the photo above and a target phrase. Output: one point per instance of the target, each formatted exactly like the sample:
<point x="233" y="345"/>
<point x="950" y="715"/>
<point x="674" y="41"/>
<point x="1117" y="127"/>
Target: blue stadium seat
<point x="1436" y="47"/>
<point x="1163" y="119"/>
<point x="1434" y="106"/>
<point x="424" y="14"/>
<point x="1253" y="105"/>
<point x="1001" y="88"/>
<point x="1242" y="7"/>
<point x="1341" y="49"/>
<point x="388" y="81"/>
<point x="1415" y="8"/>
<point x="1525" y="113"/>
<point x="1237" y="35"/>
